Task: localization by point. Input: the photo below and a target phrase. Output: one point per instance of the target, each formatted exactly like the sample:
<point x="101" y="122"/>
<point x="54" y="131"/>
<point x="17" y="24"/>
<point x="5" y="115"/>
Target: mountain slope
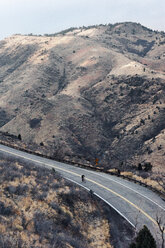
<point x="95" y="92"/>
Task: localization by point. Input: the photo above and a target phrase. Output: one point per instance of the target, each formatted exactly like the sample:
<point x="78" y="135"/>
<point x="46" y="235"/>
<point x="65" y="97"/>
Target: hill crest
<point x="87" y="92"/>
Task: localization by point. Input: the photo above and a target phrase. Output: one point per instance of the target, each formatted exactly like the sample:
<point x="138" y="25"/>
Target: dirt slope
<point x="96" y="92"/>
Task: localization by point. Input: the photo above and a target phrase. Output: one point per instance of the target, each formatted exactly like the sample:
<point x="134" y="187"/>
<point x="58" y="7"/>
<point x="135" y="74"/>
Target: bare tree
<point x="160" y="178"/>
<point x="137" y="219"/>
<point x="161" y="226"/>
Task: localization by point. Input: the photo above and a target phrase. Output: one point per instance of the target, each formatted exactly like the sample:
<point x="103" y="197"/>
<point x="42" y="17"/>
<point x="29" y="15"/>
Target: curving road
<point x="138" y="205"/>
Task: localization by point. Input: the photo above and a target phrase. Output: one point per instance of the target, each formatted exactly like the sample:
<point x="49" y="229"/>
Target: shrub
<point x="149" y="150"/>
<point x="42" y="225"/>
<point x="147" y="166"/>
<point x="144" y="174"/>
<point x="159" y="147"/>
<point x="19" y="190"/>
<point x="142" y="121"/>
<point x="68" y="198"/>
<point x="6" y="211"/>
<point x="34" y="123"/>
<point x="42" y="196"/>
<point x="22" y="189"/>
<point x="66" y="220"/>
<point x="139" y="166"/>
<point x="54" y="206"/>
<point x="11" y="189"/>
<point x="55" y="186"/>
<point x="7" y="241"/>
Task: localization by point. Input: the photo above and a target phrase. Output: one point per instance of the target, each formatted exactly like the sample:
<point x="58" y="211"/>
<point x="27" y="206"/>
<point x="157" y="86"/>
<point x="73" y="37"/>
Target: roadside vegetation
<point x="139" y="172"/>
<point x="38" y="208"/>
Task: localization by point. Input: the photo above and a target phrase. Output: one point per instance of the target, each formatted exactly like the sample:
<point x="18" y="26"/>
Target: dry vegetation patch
<point x="38" y="208"/>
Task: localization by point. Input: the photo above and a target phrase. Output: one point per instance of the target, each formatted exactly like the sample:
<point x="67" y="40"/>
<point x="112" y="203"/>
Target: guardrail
<point x="86" y="166"/>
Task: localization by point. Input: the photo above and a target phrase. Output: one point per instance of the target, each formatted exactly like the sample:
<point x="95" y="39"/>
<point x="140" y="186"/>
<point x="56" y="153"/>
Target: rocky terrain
<point x="87" y="93"/>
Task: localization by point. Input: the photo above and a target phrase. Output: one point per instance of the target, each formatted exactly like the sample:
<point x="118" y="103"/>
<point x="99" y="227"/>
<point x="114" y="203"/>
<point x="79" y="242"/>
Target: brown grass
<point x="64" y="207"/>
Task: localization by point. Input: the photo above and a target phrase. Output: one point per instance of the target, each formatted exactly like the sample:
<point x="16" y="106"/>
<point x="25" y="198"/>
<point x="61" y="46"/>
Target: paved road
<point x="138" y="205"/>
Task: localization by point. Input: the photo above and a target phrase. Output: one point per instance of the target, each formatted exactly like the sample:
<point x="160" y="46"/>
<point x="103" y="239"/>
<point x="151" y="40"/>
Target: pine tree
<point x="144" y="239"/>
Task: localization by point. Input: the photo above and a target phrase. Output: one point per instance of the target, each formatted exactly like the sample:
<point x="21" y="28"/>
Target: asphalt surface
<point x="137" y="204"/>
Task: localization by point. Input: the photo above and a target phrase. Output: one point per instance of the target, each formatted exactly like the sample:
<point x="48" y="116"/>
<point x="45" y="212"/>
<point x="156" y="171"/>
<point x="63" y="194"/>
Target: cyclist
<point x="83" y="178"/>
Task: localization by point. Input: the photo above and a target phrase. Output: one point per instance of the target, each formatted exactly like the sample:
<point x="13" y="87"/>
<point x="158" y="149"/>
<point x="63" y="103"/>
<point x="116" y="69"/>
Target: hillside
<point x="41" y="209"/>
<point x="38" y="208"/>
<point x="87" y="93"/>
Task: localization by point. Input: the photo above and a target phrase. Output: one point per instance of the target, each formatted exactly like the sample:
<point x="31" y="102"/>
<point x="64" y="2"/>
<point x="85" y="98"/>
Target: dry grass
<point x="39" y="208"/>
<point x="112" y="171"/>
<point x="150" y="182"/>
<point x="127" y="174"/>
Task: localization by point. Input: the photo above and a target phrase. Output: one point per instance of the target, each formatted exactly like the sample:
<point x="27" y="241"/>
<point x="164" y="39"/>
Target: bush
<point x="34" y="123"/>
<point x="22" y="189"/>
<point x="7" y="241"/>
<point x="147" y="166"/>
<point x="71" y="197"/>
<point x="142" y="121"/>
<point x="55" y="186"/>
<point x="144" y="174"/>
<point x="54" y="206"/>
<point x="6" y="211"/>
<point x="42" y="225"/>
<point x="159" y="147"/>
<point x="19" y="190"/>
<point x="66" y="220"/>
<point x="42" y="197"/>
<point x="139" y="166"/>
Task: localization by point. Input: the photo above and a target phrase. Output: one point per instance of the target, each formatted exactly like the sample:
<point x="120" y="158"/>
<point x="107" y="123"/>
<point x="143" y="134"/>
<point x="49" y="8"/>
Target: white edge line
<point x="47" y="165"/>
<point x="131" y="190"/>
<point x="93" y="193"/>
<point x="19" y="155"/>
<point x="136" y="192"/>
<point x="104" y="201"/>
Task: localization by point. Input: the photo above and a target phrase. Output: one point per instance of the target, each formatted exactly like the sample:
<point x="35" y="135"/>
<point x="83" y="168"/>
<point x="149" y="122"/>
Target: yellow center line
<point x="90" y="180"/>
<point x="123" y="198"/>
